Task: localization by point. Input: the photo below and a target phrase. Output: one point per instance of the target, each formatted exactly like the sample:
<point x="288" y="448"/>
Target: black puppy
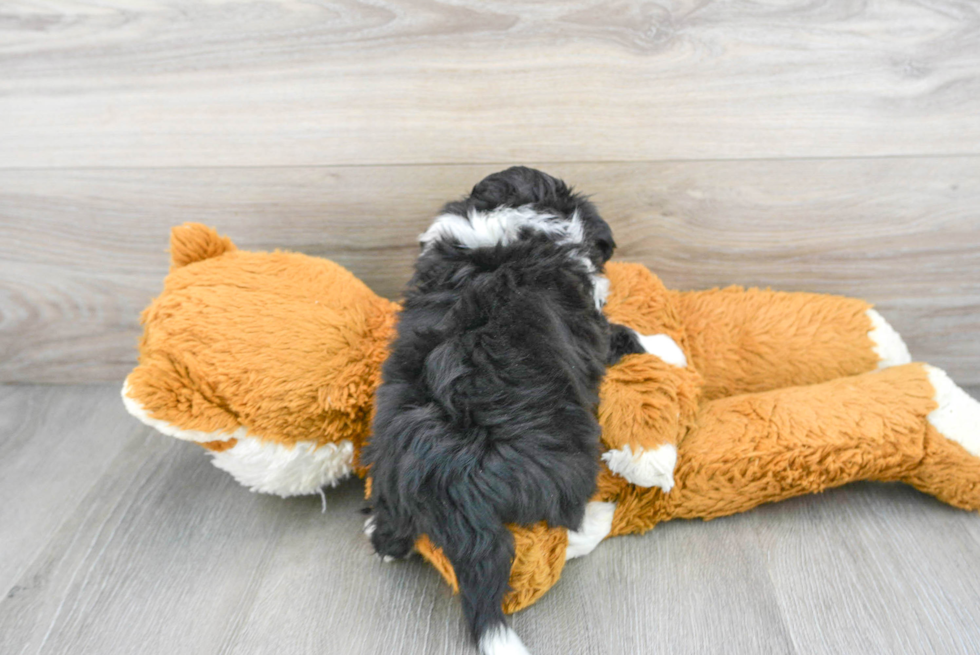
<point x="486" y="413"/>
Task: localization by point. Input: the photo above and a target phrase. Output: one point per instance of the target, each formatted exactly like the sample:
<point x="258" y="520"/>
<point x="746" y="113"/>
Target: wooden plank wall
<point x="830" y="146"/>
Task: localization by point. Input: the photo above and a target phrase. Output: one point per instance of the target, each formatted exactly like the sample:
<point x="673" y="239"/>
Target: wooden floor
<point x="829" y="145"/>
<point x="115" y="539"/>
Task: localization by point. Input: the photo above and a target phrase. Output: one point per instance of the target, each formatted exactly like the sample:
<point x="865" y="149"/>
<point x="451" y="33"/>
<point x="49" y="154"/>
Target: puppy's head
<point x="505" y="205"/>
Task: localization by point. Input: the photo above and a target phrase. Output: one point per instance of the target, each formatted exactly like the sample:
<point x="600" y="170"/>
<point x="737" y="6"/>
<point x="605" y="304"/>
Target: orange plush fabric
<point x="262" y="373"/>
<point x="750" y="340"/>
<point x="242" y="350"/>
<point x="271" y="360"/>
<point x="539" y="557"/>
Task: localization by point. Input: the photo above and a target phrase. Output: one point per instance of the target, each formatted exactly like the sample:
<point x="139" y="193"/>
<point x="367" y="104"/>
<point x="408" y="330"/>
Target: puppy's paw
<point x="394" y="549"/>
<point x="387" y="543"/>
<point x="501" y="640"/>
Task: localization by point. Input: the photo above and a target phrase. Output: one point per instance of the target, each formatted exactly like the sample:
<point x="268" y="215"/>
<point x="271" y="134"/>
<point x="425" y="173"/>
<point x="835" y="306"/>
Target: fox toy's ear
<point x="193" y="242"/>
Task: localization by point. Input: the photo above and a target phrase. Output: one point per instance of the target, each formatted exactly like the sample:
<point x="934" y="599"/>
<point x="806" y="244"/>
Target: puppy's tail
<point x="481" y="550"/>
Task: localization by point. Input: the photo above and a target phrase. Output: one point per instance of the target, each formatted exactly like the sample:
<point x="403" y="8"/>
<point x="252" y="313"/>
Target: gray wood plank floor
<point x="114" y="539"/>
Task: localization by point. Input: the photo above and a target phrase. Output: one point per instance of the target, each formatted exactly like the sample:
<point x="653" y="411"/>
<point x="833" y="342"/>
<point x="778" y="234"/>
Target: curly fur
<point x="486" y="413"/>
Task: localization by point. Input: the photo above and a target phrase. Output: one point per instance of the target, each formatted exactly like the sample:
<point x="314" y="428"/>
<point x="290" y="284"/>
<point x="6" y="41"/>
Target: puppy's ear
<point x="606" y="248"/>
<point x="599" y="231"/>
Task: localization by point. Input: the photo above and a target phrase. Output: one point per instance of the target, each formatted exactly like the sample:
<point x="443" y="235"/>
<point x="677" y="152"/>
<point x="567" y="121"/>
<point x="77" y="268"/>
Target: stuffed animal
<point x="746" y="396"/>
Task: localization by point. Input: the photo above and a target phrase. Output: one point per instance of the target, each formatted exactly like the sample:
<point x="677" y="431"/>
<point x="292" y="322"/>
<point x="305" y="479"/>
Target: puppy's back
<point x="486" y="414"/>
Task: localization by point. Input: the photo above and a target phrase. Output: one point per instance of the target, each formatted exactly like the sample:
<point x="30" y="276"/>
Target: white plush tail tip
<point x="958" y="415"/>
<point x="888" y="344"/>
<point x="502" y="641"/>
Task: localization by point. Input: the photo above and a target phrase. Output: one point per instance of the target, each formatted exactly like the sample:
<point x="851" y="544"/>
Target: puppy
<point x="486" y="412"/>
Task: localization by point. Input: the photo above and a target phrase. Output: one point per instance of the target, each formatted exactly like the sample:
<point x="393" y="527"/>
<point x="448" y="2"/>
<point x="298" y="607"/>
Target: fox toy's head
<point x="268" y="360"/>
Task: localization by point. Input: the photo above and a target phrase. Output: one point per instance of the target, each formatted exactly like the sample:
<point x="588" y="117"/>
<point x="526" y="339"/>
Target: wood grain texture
<point x="55" y="443"/>
<point x="687" y="587"/>
<point x="833" y="559"/>
<point x="128" y="83"/>
<point x="130" y="572"/>
<point x="162" y="553"/>
<point x="83" y="251"/>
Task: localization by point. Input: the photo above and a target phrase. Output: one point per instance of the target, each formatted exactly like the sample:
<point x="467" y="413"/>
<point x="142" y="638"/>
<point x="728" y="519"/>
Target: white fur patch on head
<point x="261" y="465"/>
<point x="595" y="526"/>
<point x="644" y="468"/>
<point x="958" y="415"/>
<point x="888" y="344"/>
<point x="501" y="226"/>
<point x="664" y="347"/>
<point x="501" y="641"/>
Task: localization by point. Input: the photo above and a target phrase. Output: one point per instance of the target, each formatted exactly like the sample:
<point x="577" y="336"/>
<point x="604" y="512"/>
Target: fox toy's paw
<point x="644" y="468"/>
<point x="652" y="464"/>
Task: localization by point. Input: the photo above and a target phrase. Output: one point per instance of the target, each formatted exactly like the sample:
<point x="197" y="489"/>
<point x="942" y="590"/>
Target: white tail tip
<point x="502" y="641"/>
<point x="958" y="415"/>
<point x="888" y="344"/>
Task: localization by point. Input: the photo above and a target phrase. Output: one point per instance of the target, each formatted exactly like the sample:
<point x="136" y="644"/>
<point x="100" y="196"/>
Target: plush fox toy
<point x="270" y="362"/>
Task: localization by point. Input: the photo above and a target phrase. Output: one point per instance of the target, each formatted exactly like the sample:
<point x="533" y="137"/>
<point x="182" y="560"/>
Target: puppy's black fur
<point x="486" y="414"/>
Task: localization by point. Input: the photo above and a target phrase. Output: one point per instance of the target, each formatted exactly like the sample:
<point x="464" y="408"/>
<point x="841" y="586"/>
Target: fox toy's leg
<point x="950" y="468"/>
<point x="649" y="398"/>
<point x="714" y="344"/>
<point x="752" y="340"/>
<point x="646" y="405"/>
<point x="907" y="423"/>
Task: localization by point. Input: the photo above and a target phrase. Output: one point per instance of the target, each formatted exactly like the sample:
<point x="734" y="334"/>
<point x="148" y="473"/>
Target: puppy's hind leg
<point x="392" y="537"/>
